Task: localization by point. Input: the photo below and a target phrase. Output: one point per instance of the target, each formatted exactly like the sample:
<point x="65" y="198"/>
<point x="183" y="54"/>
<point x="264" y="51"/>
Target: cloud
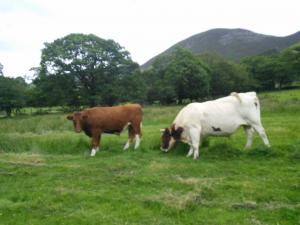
<point x="5" y="46"/>
<point x="144" y="27"/>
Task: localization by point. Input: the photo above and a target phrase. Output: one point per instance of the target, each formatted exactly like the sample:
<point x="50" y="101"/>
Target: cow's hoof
<point x="93" y="152"/>
<point x="189" y="155"/>
<point x="164" y="150"/>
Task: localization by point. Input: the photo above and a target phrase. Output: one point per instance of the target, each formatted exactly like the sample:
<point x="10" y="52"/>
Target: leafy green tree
<point x="133" y="88"/>
<point x="83" y="69"/>
<point x="275" y="71"/>
<point x="261" y="69"/>
<point x="176" y="77"/>
<point x="1" y="69"/>
<point x="12" y="94"/>
<point x="159" y="87"/>
<point x="281" y="72"/>
<point x="188" y="74"/>
<point x="227" y="76"/>
<point x="290" y="61"/>
<point x="55" y="90"/>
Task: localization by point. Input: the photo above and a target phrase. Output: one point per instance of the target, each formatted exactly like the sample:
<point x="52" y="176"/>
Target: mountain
<point x="232" y="43"/>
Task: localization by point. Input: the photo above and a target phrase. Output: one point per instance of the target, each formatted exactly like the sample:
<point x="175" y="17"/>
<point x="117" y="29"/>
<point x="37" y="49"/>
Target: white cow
<point x="220" y="117"/>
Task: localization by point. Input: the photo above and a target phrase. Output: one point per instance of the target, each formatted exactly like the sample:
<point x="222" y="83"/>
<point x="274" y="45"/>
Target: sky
<point x="145" y="28"/>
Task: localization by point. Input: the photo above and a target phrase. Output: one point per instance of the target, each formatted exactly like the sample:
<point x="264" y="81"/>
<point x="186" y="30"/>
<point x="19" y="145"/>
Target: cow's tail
<point x="236" y="95"/>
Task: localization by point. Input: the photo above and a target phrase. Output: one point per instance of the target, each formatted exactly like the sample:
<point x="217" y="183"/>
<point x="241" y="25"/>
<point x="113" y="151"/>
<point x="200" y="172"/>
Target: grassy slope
<point x="47" y="177"/>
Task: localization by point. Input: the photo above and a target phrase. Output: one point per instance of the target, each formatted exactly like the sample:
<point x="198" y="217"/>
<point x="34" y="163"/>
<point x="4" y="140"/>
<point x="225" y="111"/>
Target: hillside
<point x="232" y="43"/>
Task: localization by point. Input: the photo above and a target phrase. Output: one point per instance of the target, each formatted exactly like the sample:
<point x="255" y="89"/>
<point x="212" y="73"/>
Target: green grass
<point x="281" y="101"/>
<point x="47" y="176"/>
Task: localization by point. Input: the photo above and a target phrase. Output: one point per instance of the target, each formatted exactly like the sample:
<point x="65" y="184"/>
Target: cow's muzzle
<point x="164" y="149"/>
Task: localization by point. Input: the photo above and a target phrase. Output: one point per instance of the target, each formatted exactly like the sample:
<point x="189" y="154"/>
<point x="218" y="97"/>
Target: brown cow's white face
<point x="77" y="119"/>
<point x="169" y="137"/>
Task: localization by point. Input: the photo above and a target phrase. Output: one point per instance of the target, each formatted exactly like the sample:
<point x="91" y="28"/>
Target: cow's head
<point x="77" y="119"/>
<point x="169" y="137"/>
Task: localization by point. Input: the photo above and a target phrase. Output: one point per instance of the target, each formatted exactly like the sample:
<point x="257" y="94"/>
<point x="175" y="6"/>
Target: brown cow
<point x="110" y="120"/>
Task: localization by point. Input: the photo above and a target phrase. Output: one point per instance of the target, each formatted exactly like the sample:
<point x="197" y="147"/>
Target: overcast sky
<point x="143" y="27"/>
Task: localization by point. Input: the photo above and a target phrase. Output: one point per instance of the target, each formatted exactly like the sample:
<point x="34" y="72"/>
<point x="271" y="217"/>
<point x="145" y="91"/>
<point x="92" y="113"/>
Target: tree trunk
<point x="8" y="112"/>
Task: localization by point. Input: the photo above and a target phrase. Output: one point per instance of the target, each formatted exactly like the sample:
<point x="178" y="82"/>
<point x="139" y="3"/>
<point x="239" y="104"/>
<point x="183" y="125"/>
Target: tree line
<point x="81" y="70"/>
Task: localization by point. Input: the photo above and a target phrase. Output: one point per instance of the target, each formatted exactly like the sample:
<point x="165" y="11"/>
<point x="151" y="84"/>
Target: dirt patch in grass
<point x="198" y="181"/>
<point x="202" y="191"/>
<point x="25" y="159"/>
<point x="155" y="165"/>
<point x="280" y="205"/>
<point x="177" y="200"/>
<point x="245" y="205"/>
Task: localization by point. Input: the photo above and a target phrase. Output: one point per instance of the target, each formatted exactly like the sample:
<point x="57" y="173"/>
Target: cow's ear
<point x="177" y="133"/>
<point x="173" y="128"/>
<point x="167" y="131"/>
<point x="179" y="130"/>
<point x="70" y="117"/>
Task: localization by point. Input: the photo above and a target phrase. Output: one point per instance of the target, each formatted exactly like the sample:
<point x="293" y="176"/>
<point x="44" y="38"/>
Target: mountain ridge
<point x="232" y="44"/>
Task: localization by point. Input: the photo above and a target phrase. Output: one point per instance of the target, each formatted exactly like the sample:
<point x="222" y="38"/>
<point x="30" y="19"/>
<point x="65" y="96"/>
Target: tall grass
<point x="54" y="133"/>
<point x="281" y="101"/>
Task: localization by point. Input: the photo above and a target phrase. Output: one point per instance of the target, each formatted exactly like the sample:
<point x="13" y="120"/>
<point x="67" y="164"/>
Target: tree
<point x="176" y="77"/>
<point x="1" y="69"/>
<point x="261" y="69"/>
<point x="227" y="76"/>
<point x="290" y="60"/>
<point x="12" y="94"/>
<point x="83" y="69"/>
<point x="275" y="71"/>
<point x="133" y="88"/>
<point x="159" y="87"/>
<point x="55" y="90"/>
<point x="188" y="74"/>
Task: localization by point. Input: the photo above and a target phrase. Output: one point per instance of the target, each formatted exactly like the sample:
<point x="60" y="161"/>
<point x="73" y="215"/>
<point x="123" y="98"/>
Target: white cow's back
<point x="225" y="114"/>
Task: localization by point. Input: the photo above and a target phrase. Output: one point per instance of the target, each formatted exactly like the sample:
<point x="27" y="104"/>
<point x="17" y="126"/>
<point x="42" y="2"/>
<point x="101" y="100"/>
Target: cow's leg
<point x="95" y="143"/>
<point x="191" y="151"/>
<point x="130" y="137"/>
<point x="261" y="131"/>
<point x="127" y="145"/>
<point x="249" y="134"/>
<point x="138" y="134"/>
<point x="137" y="141"/>
<point x="194" y="133"/>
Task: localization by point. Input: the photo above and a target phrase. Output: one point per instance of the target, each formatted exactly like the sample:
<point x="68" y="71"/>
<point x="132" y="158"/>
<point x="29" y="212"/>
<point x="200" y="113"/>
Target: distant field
<point x="47" y="176"/>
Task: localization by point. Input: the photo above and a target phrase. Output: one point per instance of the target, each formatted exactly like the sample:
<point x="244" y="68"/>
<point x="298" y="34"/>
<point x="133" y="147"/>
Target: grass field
<point x="47" y="176"/>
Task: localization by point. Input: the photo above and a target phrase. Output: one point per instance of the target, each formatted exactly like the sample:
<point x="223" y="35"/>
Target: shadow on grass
<point x="225" y="151"/>
<point x="218" y="151"/>
<point x="221" y="151"/>
<point x="262" y="151"/>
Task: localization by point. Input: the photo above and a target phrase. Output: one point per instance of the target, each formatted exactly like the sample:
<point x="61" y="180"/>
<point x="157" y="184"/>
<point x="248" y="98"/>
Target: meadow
<point x="48" y="177"/>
